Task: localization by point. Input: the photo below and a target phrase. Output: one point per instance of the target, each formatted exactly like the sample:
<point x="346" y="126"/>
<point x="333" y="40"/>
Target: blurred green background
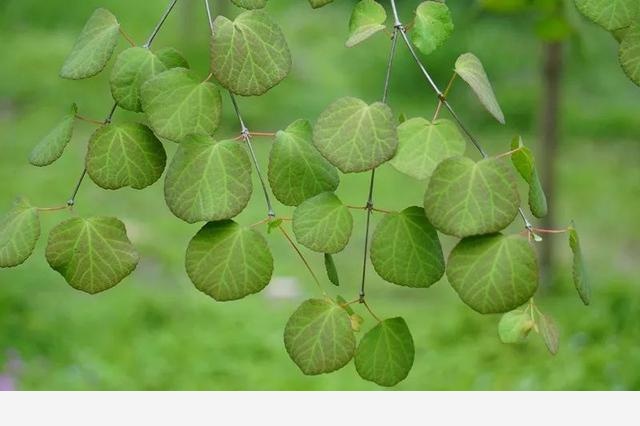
<point x="156" y="331"/>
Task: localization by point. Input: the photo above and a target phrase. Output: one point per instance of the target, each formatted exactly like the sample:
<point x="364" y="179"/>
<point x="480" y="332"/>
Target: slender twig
<point x="549" y="231"/>
<point x="366" y="305"/>
<point x="508" y="153"/>
<point x="301" y="256"/>
<point x="160" y="23"/>
<point x="52" y="209"/>
<point x="127" y="37"/>
<point x="446" y="95"/>
<point x="89" y="120"/>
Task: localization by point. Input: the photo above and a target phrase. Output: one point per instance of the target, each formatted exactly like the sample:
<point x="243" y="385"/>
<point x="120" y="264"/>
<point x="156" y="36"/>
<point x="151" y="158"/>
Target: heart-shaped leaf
<point x="469" y="67"/>
<point x="228" y="262"/>
<point x="250" y="4"/>
<point x="297" y="171"/>
<point x="354" y="136"/>
<point x="515" y="326"/>
<point x="19" y="233"/>
<point x="367" y="19"/>
<point x="405" y="249"/>
<point x="493" y="273"/>
<point x="629" y="53"/>
<point x="580" y="278"/>
<point x="525" y="163"/>
<point x="208" y="180"/>
<point x="249" y="55"/>
<point x="93" y="48"/>
<point x="319" y="338"/>
<point x="52" y="146"/>
<point x="610" y="14"/>
<point x="385" y="354"/>
<point x="433" y="26"/>
<point x="126" y="154"/>
<point x="91" y="254"/>
<point x="466" y="198"/>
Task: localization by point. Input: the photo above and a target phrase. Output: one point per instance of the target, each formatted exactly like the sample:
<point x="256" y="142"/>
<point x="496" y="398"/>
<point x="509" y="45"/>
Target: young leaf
<point x="319" y="3"/>
<point x="629" y="53"/>
<point x="385" y="354"/>
<point x="433" y="26"/>
<point x="580" y="279"/>
<point x="172" y="58"/>
<point x="493" y="273"/>
<point x="610" y="14"/>
<point x="354" y="136"/>
<point x="19" y="233"/>
<point x="323" y="223"/>
<point x="525" y="163"/>
<point x="466" y="198"/>
<point x="272" y="225"/>
<point x="126" y="154"/>
<point x="367" y="19"/>
<point x="93" y="48"/>
<point x="422" y="145"/>
<point x="249" y="55"/>
<point x="297" y="171"/>
<point x="515" y="326"/>
<point x="228" y="262"/>
<point x="549" y="332"/>
<point x="250" y="4"/>
<point x="356" y="322"/>
<point x="208" y="180"/>
<point x="332" y="272"/>
<point x="405" y="249"/>
<point x="319" y="338"/>
<point x="469" y="67"/>
<point x="91" y="254"/>
<point x="343" y="303"/>
<point x="52" y="146"/>
<point x="178" y="105"/>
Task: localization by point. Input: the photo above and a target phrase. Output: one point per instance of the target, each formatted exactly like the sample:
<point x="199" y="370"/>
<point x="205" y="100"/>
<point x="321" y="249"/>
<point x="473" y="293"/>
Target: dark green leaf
<point x="133" y="67"/>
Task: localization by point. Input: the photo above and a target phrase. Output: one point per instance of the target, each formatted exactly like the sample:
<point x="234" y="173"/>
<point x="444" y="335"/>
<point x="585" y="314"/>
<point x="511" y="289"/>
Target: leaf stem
<point x="52" y="209"/>
<point x="549" y="231"/>
<point x="126" y="36"/>
<point x="446" y="94"/>
<point x="301" y="256"/>
<point x="89" y="120"/>
<point x="366" y="305"/>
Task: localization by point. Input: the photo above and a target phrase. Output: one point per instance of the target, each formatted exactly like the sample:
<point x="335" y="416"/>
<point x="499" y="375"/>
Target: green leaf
<point x="385" y="354"/>
<point x="273" y="225"/>
<point x="52" y="146"/>
<point x="297" y="171"/>
<point x="580" y="278"/>
<point x="469" y="67"/>
<point x="629" y="53"/>
<point x="91" y="254"/>
<point x="249" y="55"/>
<point x="319" y="338"/>
<point x="354" y="136"/>
<point x="319" y="3"/>
<point x="466" y="198"/>
<point x="126" y="154"/>
<point x="228" y="262"/>
<point x="610" y="14"/>
<point x="332" y="272"/>
<point x="172" y="58"/>
<point x="433" y="26"/>
<point x="177" y="105"/>
<point x="344" y="304"/>
<point x="405" y="249"/>
<point x="250" y="4"/>
<point x="525" y="163"/>
<point x="549" y="332"/>
<point x="515" y="326"/>
<point x="356" y="322"/>
<point x="93" y="48"/>
<point x="493" y="273"/>
<point x="367" y="19"/>
<point x="323" y="223"/>
<point x="422" y="145"/>
<point x="19" y="233"/>
<point x="208" y="180"/>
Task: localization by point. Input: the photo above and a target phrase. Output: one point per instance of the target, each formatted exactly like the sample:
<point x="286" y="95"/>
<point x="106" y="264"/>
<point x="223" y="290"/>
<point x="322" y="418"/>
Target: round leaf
<point x="515" y="326"/>
<point x="208" y="180"/>
<point x="385" y="354"/>
<point x="580" y="279"/>
<point x="610" y="14"/>
<point x="249" y="55"/>
<point x="433" y="26"/>
<point x="122" y="155"/>
<point x="297" y="171"/>
<point x="405" y="249"/>
<point x="525" y="163"/>
<point x="354" y="136"/>
<point x="629" y="53"/>
<point x="466" y="198"/>
<point x="19" y="233"/>
<point x="228" y="262"/>
<point x="469" y="67"/>
<point x="493" y="273"/>
<point x="319" y="338"/>
<point x="367" y="19"/>
<point x="323" y="223"/>
<point x="92" y="254"/>
<point x="52" y="146"/>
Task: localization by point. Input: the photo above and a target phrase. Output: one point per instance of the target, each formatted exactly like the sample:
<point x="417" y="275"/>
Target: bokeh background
<point x="156" y="331"/>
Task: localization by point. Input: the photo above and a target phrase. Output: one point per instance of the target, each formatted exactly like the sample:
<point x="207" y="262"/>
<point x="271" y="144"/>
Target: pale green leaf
<point x="629" y="53"/>
<point x="405" y="249"/>
<point x="19" y="233"/>
<point x="91" y="254"/>
<point x="332" y="272"/>
<point x="610" y="14"/>
<point x="319" y="3"/>
<point x="53" y="145"/>
<point x="515" y="326"/>
<point x="228" y="262"/>
<point x="433" y="26"/>
<point x="208" y="180"/>
<point x="525" y="163"/>
<point x="126" y="154"/>
<point x="580" y="278"/>
<point x="465" y="198"/>
<point x="94" y="46"/>
<point x="469" y="67"/>
<point x="172" y="58"/>
<point x="249" y="55"/>
<point x="549" y="332"/>
<point x="356" y="322"/>
<point x="493" y="273"/>
<point x="344" y="304"/>
<point x="133" y="67"/>
<point x="385" y="354"/>
<point x="319" y="338"/>
<point x="367" y="19"/>
<point x="354" y="136"/>
<point x="250" y="4"/>
<point x="297" y="171"/>
<point x="422" y="145"/>
<point x="323" y="223"/>
<point x="177" y="105"/>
